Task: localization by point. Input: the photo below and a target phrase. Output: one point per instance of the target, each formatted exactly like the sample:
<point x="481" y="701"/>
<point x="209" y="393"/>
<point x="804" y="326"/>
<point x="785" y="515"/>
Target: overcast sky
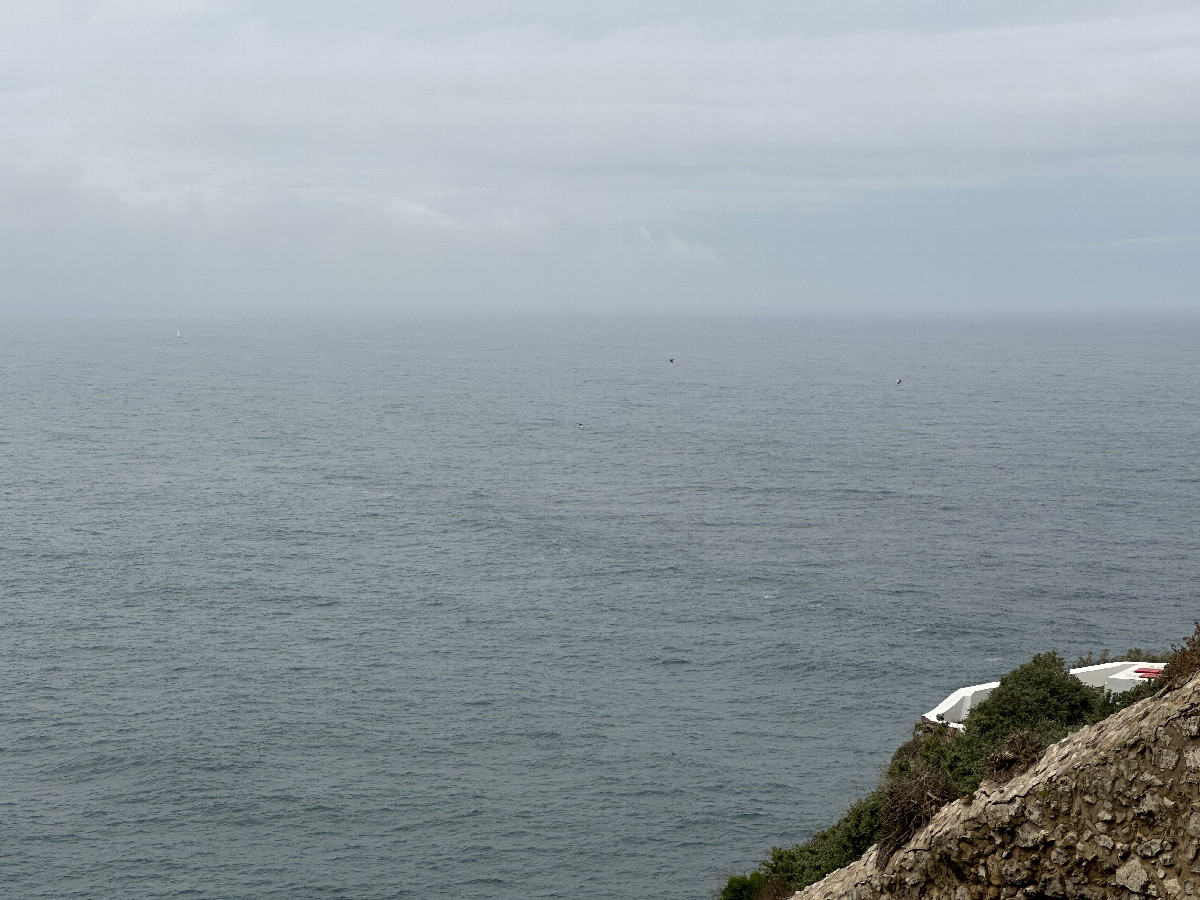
<point x="773" y="156"/>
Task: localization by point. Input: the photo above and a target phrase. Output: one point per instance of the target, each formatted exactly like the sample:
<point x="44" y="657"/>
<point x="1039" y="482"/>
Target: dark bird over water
<point x="898" y="380"/>
<point x="671" y="360"/>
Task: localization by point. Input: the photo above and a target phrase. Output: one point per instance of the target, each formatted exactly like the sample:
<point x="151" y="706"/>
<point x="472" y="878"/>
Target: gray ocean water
<point x="520" y="609"/>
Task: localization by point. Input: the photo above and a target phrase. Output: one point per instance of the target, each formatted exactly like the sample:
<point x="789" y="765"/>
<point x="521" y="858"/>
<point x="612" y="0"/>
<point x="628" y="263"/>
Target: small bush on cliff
<point x="1019" y="753"/>
<point x="830" y="849"/>
<point x="743" y="887"/>
<point x="1185" y="661"/>
<point x="755" y="886"/>
<point x="910" y="801"/>
<point x="1040" y="697"/>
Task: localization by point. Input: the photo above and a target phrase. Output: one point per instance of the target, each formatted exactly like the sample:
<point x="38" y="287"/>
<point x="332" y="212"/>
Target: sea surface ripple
<point x="519" y="609"/>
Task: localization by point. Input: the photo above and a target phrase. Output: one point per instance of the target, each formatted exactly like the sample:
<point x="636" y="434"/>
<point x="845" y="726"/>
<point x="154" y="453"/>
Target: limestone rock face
<point x="1111" y="811"/>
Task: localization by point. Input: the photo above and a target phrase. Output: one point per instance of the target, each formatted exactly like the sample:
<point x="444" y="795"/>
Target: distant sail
<point x="177" y="334"/>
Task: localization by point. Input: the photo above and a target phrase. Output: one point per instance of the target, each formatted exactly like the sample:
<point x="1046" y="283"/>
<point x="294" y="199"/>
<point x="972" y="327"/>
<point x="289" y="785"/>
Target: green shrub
<point x="744" y="887"/>
<point x="755" y="886"/>
<point x="830" y="849"/>
<point x="1185" y="661"/>
<point x="938" y="748"/>
<point x="1040" y="697"/>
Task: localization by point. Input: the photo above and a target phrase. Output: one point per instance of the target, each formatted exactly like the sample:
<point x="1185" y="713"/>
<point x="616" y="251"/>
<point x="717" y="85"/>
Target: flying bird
<point x="671" y="360"/>
<point x="898" y="380"/>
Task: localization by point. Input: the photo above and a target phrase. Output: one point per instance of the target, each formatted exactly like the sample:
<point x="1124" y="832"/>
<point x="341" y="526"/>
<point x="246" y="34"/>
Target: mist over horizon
<point x="194" y="157"/>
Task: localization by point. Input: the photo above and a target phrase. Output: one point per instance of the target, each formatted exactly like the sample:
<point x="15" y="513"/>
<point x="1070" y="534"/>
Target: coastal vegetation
<point x="1035" y="705"/>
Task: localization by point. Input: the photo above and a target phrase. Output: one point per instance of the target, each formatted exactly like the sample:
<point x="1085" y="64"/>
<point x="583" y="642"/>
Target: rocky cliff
<point x="1111" y="811"/>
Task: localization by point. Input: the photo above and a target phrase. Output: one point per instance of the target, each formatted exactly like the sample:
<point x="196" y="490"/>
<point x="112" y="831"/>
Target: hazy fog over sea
<point x="204" y="156"/>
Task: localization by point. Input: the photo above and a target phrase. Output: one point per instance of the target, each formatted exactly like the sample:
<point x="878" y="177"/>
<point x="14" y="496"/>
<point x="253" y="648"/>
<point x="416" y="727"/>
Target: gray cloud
<point x="670" y="153"/>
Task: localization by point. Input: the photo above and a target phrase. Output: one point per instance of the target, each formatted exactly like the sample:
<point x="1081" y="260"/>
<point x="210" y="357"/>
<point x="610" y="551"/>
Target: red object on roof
<point x="1148" y="673"/>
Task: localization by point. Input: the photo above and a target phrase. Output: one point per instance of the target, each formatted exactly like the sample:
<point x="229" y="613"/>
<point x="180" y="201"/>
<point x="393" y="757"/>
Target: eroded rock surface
<point x="1111" y="811"/>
